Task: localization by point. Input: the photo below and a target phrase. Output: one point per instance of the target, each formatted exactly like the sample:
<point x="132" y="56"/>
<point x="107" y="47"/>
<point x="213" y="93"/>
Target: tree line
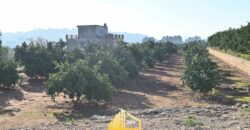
<point x="235" y="40"/>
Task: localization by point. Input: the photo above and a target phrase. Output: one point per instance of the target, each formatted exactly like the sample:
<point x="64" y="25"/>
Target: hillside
<point x="13" y="39"/>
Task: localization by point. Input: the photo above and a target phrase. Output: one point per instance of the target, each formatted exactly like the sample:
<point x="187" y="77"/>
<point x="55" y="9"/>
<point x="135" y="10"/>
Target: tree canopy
<point x="236" y="40"/>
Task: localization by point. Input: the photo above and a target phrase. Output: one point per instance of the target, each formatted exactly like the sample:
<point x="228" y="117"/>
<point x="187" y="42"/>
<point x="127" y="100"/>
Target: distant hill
<point x="13" y="39"/>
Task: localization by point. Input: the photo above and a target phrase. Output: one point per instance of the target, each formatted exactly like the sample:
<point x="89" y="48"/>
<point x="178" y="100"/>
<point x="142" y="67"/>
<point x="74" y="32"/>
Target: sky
<point x="155" y="18"/>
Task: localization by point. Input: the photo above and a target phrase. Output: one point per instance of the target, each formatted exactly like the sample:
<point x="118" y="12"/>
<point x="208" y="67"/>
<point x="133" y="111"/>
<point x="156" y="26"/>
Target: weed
<point x="246" y="109"/>
<point x="214" y="92"/>
<point x="70" y="121"/>
<point x="191" y="121"/>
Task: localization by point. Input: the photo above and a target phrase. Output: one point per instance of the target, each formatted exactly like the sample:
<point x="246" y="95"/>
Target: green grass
<point x="191" y="122"/>
<point x="241" y="55"/>
<point x="241" y="84"/>
<point x="70" y="121"/>
<point x="244" y="99"/>
<point x="245" y="56"/>
<point x="246" y="109"/>
<point x="215" y="92"/>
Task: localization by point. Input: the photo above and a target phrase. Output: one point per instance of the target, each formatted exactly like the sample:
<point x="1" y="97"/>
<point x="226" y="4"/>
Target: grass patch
<point x="244" y="99"/>
<point x="241" y="84"/>
<point x="245" y="56"/>
<point x="241" y="55"/>
<point x="191" y="121"/>
<point x="215" y="92"/>
<point x="246" y="109"/>
<point x="70" y="121"/>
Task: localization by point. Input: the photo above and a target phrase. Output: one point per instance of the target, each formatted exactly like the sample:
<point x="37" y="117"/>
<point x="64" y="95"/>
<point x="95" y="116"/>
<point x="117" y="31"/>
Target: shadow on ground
<point x="34" y="86"/>
<point x="233" y="84"/>
<point x="5" y="96"/>
<point x="134" y="95"/>
<point x="86" y="110"/>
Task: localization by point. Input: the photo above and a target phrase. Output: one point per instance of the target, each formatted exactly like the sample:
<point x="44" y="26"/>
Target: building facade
<point x="92" y="34"/>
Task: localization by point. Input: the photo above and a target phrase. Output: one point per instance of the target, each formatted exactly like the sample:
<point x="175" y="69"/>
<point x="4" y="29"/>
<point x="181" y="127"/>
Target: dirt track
<point x="158" y="87"/>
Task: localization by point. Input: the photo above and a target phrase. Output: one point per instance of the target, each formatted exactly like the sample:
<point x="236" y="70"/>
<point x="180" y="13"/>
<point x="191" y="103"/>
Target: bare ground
<point x="28" y="106"/>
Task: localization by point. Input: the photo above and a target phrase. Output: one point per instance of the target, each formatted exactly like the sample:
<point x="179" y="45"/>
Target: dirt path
<point x="233" y="83"/>
<point x="158" y="87"/>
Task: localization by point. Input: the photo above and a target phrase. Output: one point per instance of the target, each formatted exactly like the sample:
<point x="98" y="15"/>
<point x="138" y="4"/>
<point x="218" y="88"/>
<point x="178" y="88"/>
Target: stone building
<point x="92" y="34"/>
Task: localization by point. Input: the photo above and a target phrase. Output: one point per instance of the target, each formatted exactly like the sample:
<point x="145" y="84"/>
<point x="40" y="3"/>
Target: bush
<point x="191" y="121"/>
<point x="125" y="58"/>
<point x="8" y="72"/>
<point x="116" y="73"/>
<point x="163" y="50"/>
<point x="200" y="73"/>
<point x="79" y="80"/>
<point x="94" y="54"/>
<point x="39" y="56"/>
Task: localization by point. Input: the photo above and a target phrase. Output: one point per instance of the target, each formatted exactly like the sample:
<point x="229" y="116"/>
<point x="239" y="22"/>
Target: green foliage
<point x="79" y="80"/>
<point x="163" y="50"/>
<point x="70" y="121"/>
<point x="247" y="109"/>
<point x="8" y="72"/>
<point x="236" y="40"/>
<point x="200" y="73"/>
<point x="150" y="51"/>
<point x="191" y="122"/>
<point x="95" y="53"/>
<point x="39" y="56"/>
<point x="93" y="70"/>
<point x="123" y="55"/>
<point x="215" y="92"/>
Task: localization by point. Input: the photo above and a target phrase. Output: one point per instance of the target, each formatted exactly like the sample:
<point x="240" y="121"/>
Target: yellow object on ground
<point x="125" y="121"/>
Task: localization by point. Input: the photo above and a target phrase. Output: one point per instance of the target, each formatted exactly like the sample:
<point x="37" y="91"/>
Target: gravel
<point x="215" y="117"/>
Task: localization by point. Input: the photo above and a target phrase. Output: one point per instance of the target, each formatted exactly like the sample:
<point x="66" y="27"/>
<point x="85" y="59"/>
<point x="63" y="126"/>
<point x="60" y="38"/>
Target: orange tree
<point x="200" y="73"/>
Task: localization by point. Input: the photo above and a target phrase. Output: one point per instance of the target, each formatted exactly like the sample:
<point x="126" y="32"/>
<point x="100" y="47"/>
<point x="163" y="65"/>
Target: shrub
<point x="191" y="121"/>
<point x="79" y="80"/>
<point x="125" y="58"/>
<point x="39" y="56"/>
<point x="200" y="73"/>
<point x="94" y="54"/>
<point x="8" y="73"/>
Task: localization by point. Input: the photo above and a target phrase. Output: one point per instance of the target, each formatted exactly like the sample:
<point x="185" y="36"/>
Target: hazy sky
<point x="153" y="17"/>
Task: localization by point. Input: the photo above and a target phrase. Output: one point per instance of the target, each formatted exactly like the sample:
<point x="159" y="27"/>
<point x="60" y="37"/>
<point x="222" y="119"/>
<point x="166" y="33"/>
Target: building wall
<point x="92" y="34"/>
<point x="241" y="64"/>
<point x="79" y="43"/>
<point x="92" y="31"/>
<point x="73" y="43"/>
<point x="86" y="32"/>
<point x="101" y="32"/>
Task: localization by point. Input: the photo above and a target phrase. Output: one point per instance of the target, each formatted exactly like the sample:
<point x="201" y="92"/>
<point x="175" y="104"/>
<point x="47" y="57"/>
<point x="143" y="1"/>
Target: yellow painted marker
<point x="120" y="122"/>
